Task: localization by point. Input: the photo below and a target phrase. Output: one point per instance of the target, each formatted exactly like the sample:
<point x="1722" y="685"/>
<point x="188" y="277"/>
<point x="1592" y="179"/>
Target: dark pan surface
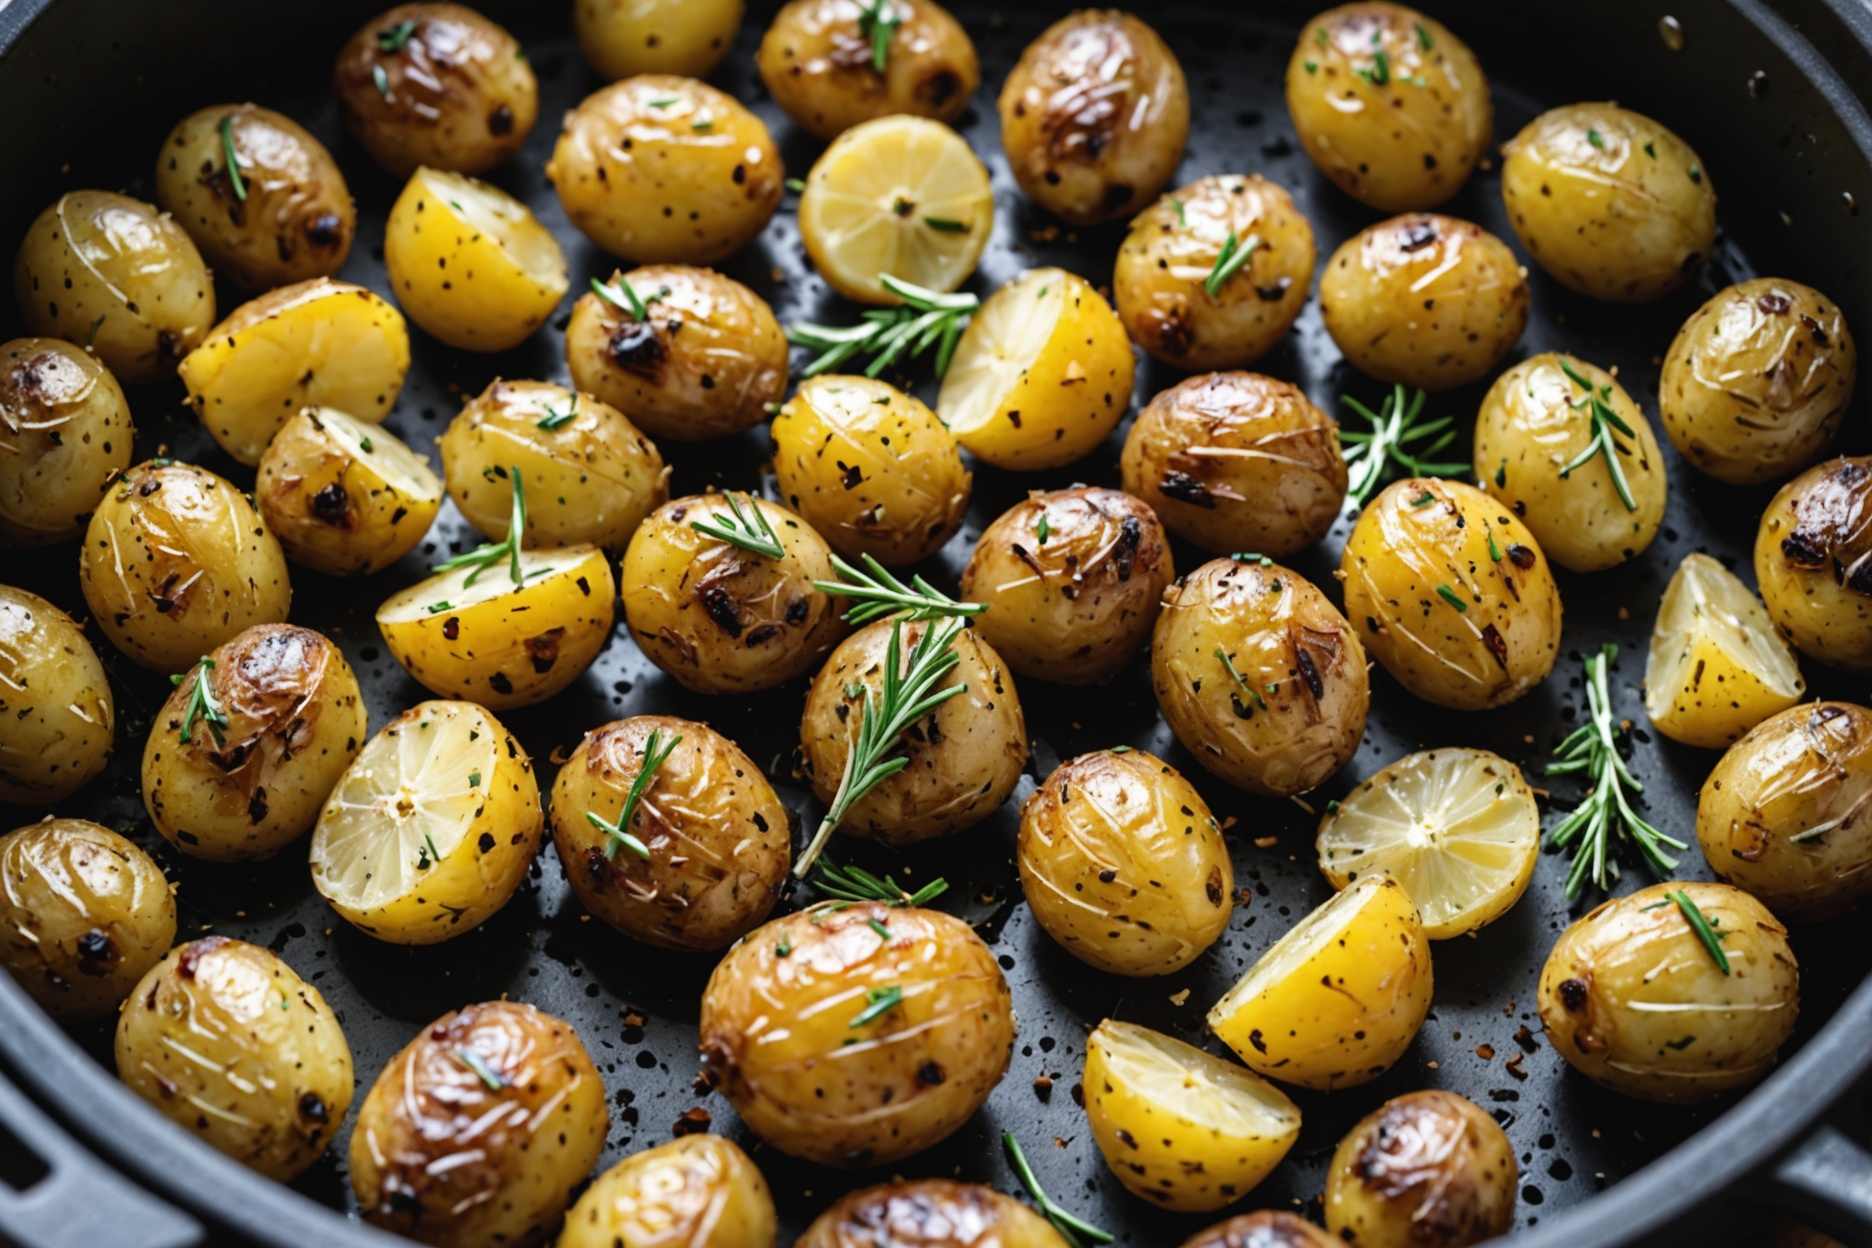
<point x="636" y="1009"/>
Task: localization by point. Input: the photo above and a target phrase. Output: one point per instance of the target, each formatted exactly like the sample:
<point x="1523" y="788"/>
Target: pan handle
<point x="1826" y="1180"/>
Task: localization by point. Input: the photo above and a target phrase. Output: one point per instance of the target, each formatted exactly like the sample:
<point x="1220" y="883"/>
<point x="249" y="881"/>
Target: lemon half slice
<point x="1716" y="667"/>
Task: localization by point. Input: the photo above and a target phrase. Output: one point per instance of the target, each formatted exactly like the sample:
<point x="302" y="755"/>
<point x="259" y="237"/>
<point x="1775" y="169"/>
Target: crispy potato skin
<point x="817" y="64"/>
<point x="929" y="1213"/>
<point x="1810" y="561"/>
<point x="84" y="914"/>
<point x="624" y="37"/>
<point x="1633" y="1000"/>
<point x="57" y="716"/>
<point x="443" y="1156"/>
<point x="700" y="1191"/>
<point x="1263" y="1229"/>
<point x="777" y="1037"/>
<point x="64" y="432"/>
<point x="1424" y="1170"/>
<point x="229" y="1044"/>
<point x="331" y="507"/>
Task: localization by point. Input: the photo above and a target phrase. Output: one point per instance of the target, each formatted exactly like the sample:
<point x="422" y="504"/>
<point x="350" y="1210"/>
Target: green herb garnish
<point x="1705" y="930"/>
<point x="238" y="183"/>
<point x="202" y="704"/>
<point x="1234" y="255"/>
<point x="1042" y="530"/>
<point x="1424" y="40"/>
<point x="1075" y="1230"/>
<point x="1453" y="598"/>
<point x="1605" y="421"/>
<point x="1394" y="437"/>
<point x="618" y="835"/>
<point x="630" y="303"/>
<point x="878" y="1002"/>
<point x="482" y="1071"/>
<point x="857" y="884"/>
<point x="1236" y="676"/>
<point x="392" y="39"/>
<point x="1379" y="72"/>
<point x="926" y="318"/>
<point x="948" y="225"/>
<point x="884" y="933"/>
<point x="381" y="80"/>
<point x="750" y="530"/>
<point x="485" y="556"/>
<point x="553" y="420"/>
<point x="1595" y="138"/>
<point x="878" y="22"/>
<point x="881" y="594"/>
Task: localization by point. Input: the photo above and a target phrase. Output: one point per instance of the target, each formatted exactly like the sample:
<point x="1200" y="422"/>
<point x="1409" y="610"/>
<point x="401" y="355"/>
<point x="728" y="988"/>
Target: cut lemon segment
<point x="1180" y="1127"/>
<point x="1042" y="374"/>
<point x="431" y="828"/>
<point x="1457" y="828"/>
<point x="902" y="196"/>
<point x="1717" y="667"/>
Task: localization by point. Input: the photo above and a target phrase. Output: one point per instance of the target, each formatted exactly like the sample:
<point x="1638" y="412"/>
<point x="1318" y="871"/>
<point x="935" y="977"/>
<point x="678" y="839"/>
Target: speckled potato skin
<point x="1263" y="1229"/>
<point x="442" y="1157"/>
<point x="699" y="1191"/>
<point x="1504" y="641"/>
<point x="965" y="756"/>
<point x="1810" y="561"/>
<point x="1783" y="815"/>
<point x="330" y="510"/>
<point x="777" y="1040"/>
<point x="57" y="716"/>
<point x="1401" y="140"/>
<point x="1424" y="299"/>
<point x="1427" y="1169"/>
<point x="709" y="361"/>
<point x="118" y="274"/>
<point x="929" y="1213"/>
<point x="227" y="1042"/>
<point x="460" y="92"/>
<point x="177" y="561"/>
<point x="870" y="468"/>
<point x="84" y="913"/>
<point x="624" y="37"/>
<point x="700" y="178"/>
<point x="1528" y="430"/>
<point x="1237" y="462"/>
<point x="1076" y="607"/>
<point x="1303" y="711"/>
<point x="1626" y="219"/>
<point x="296" y="719"/>
<point x="1094" y="116"/>
<point x="1757" y="380"/>
<point x="1632" y="999"/>
<point x="64" y="433"/>
<point x="817" y="64"/>
<point x="720" y="619"/>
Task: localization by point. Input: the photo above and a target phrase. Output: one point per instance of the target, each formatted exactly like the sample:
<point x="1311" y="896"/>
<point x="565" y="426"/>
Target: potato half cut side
<point x="1716" y="667"/>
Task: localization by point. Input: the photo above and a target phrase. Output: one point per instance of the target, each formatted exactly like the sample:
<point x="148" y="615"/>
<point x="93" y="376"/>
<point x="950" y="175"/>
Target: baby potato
<point x="1453" y="594"/>
<point x="1337" y="1000"/>
<point x="624" y="37"/>
<point x="590" y="475"/>
<point x="699" y="1191"/>
<point x="116" y="274"/>
<point x="1389" y="105"/>
<point x="929" y="1213"/>
<point x="479" y="1129"/>
<point x="1537" y="450"/>
<point x="57" y="718"/>
<point x="659" y="168"/>
<point x="260" y="196"/>
<point x="1635" y="999"/>
<point x="707" y="358"/>
<point x="230" y="1045"/>
<point x="85" y="914"/>
<point x="870" y="468"/>
<point x="1780" y="816"/>
<point x="1810" y="561"/>
<point x="1609" y="202"/>
<point x="720" y="619"/>
<point x="1424" y="1170"/>
<point x="843" y="1048"/>
<point x="819" y="64"/>
<point x="1168" y="260"/>
<point x="251" y="742"/>
<point x="1123" y="864"/>
<point x="1259" y="676"/>
<point x="1425" y="300"/>
<point x="437" y="85"/>
<point x="177" y="561"/>
<point x="1237" y="462"/>
<point x="1094" y="116"/>
<point x="317" y="344"/>
<point x="1757" y="380"/>
<point x="1263" y="1229"/>
<point x="64" y="433"/>
<point x="965" y="756"/>
<point x="343" y="497"/>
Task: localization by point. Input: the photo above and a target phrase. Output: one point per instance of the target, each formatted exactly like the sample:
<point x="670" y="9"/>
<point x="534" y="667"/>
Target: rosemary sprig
<point x="202" y="704"/>
<point x="878" y="22"/>
<point x="857" y="884"/>
<point x="618" y="835"/>
<point x="392" y="38"/>
<point x="1604" y="422"/>
<point x="238" y="183"/>
<point x="881" y="594"/>
<point x="1394" y="437"/>
<point x="485" y="556"/>
<point x="1229" y="261"/>
<point x="1705" y="930"/>
<point x="482" y="1071"/>
<point x="926" y="318"/>
<point x="755" y="535"/>
<point x="553" y="420"/>
<point x="1075" y="1230"/>
<point x="632" y="302"/>
<point x="878" y="1002"/>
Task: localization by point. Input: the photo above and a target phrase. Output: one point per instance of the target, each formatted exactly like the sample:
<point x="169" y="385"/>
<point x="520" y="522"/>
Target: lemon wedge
<point x="1717" y="667"/>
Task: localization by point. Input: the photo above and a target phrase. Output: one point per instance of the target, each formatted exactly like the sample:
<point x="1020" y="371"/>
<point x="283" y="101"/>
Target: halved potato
<point x="1716" y="666"/>
<point x="343" y="497"/>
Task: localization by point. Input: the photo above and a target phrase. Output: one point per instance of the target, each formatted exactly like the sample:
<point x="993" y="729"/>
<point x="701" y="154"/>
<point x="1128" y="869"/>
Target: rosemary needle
<point x="857" y="884"/>
<point x="202" y="704"/>
<point x="618" y="835"/>
<point x="1705" y="930"/>
<point x="235" y="180"/>
<point x="1076" y="1230"/>
<point x="926" y="318"/>
<point x="1603" y="422"/>
<point x="485" y="556"/>
<point x="1397" y="436"/>
<point x="878" y="1002"/>
<point x="881" y="594"/>
<point x="749" y="530"/>
<point x="1235" y="253"/>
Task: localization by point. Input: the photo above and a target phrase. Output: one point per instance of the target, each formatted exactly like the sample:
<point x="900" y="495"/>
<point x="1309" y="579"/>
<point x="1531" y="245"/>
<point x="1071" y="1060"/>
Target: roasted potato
<point x="1757" y="380"/>
<point x="659" y="168"/>
<point x="479" y="1129"/>
<point x="842" y="1047"/>
<point x="1259" y="676"/>
<point x="699" y="1191"/>
<point x="343" y="497"/>
<point x="1810" y="561"/>
<point x="1425" y="300"/>
<point x="1263" y="1229"/>
<point x="1536" y="450"/>
<point x="624" y="37"/>
<point x="1094" y="116"/>
<point x="1452" y="594"/>
<point x="64" y="433"/>
<point x="177" y="561"/>
<point x="1424" y="1170"/>
<point x="251" y="742"/>
<point x="1609" y="202"/>
<point x="84" y="912"/>
<point x="1237" y="462"/>
<point x="821" y="66"/>
<point x="57" y="717"/>
<point x="225" y="1041"/>
<point x="437" y="85"/>
<point x="929" y="1213"/>
<point x="1637" y="1000"/>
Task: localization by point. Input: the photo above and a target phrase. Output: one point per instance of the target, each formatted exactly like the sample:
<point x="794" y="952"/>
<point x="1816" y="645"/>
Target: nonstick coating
<point x="636" y="1008"/>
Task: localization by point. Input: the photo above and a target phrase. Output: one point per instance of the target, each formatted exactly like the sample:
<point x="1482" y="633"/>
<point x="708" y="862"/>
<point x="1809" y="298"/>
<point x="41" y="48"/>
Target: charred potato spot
<point x="343" y="497"/>
<point x="937" y="1213"/>
<point x="817" y="62"/>
<point x="65" y="432"/>
<point x="1426" y="1168"/>
<point x="1812" y="565"/>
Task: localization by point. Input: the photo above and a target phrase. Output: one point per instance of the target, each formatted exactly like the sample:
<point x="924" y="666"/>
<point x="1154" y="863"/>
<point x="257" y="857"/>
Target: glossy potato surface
<point x="343" y="497"/>
<point x="1810" y="561"/>
<point x="929" y="1213"/>
<point x="1263" y="1229"/>
<point x="57" y="715"/>
<point x="699" y="1191"/>
<point x="820" y="66"/>
<point x="1427" y="1169"/>
<point x="64" y="433"/>
<point x="624" y="37"/>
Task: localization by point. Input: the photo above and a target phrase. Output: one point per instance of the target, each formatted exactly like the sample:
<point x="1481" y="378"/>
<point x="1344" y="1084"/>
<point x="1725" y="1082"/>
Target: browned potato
<point x="820" y="66"/>
<point x="929" y="1213"/>
<point x="344" y="497"/>
<point x="1263" y="1229"/>
<point x="1810" y="561"/>
<point x="698" y="1191"/>
<point x="624" y="37"/>
<point x="1424" y="1170"/>
<point x="57" y="718"/>
<point x="64" y="433"/>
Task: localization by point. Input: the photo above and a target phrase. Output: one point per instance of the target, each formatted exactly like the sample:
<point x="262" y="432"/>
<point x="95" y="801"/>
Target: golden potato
<point x="1424" y="1170"/>
<point x="1810" y="561"/>
<point x="1715" y="666"/>
<point x="343" y="497"/>
<point x="843" y="1047"/>
<point x="820" y="65"/>
<point x="1263" y="1229"/>
<point x="699" y="1191"/>
<point x="177" y="561"/>
<point x="624" y="37"/>
<point x="85" y="914"/>
<point x="929" y="1213"/>
<point x="57" y="717"/>
<point x="64" y="433"/>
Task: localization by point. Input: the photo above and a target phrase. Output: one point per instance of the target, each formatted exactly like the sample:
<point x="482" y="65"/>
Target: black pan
<point x="1771" y="101"/>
